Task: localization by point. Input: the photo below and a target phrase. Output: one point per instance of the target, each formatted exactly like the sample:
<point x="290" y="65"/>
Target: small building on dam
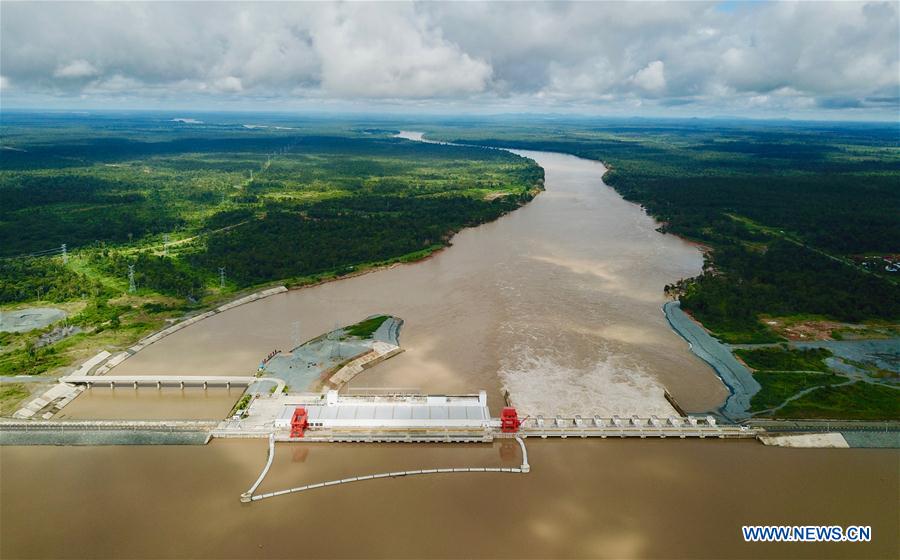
<point x="391" y="411"/>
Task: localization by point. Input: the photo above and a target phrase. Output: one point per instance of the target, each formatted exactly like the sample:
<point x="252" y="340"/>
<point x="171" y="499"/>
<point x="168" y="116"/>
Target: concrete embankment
<point x="103" y="437"/>
<point x="380" y="352"/>
<point x="58" y="396"/>
<point x="102" y="432"/>
<point x="740" y="382"/>
<point x="159" y="335"/>
<point x="831" y="439"/>
<point x="838" y="440"/>
<point x="885" y="434"/>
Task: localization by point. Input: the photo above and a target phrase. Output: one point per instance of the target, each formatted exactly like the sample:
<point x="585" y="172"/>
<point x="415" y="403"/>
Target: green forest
<point x="786" y="209"/>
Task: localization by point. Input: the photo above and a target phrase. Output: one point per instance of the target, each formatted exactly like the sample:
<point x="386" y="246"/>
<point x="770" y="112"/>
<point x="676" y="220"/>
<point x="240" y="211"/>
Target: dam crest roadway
<point x="161" y="380"/>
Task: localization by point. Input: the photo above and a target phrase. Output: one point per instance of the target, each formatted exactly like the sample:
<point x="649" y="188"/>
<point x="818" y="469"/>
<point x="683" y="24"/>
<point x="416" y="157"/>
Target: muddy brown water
<point x="557" y="302"/>
<point x="147" y="403"/>
<point x="583" y="498"/>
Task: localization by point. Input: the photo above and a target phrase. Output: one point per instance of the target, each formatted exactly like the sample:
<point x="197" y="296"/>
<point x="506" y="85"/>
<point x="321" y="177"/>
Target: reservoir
<point x="557" y="303"/>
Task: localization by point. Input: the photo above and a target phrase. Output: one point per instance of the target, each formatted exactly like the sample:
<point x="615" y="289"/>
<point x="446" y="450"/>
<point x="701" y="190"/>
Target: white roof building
<point x="392" y="411"/>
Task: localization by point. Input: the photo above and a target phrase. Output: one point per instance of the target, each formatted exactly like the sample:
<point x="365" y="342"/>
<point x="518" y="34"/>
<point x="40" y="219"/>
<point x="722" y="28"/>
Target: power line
<point x="44" y="253"/>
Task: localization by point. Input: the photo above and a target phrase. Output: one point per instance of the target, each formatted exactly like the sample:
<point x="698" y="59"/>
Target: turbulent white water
<point x="542" y="385"/>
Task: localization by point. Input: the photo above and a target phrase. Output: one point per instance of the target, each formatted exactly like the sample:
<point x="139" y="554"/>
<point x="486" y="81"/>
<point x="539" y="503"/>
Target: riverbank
<point x="735" y="375"/>
<point x="58" y="396"/>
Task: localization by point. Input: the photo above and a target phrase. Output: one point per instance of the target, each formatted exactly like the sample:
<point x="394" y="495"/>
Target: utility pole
<point x="131" y="286"/>
<point x="221" y="276"/>
<point x="65" y="254"/>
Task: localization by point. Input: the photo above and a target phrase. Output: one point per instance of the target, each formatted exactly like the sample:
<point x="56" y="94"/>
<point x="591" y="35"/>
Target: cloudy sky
<point x="799" y="60"/>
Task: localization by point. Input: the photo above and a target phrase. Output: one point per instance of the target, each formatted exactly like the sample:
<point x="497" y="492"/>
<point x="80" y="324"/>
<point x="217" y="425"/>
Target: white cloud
<point x="76" y="69"/>
<point x="545" y="54"/>
<point x="387" y="50"/>
<point x="114" y="85"/>
<point x="229" y="84"/>
<point x="651" y="77"/>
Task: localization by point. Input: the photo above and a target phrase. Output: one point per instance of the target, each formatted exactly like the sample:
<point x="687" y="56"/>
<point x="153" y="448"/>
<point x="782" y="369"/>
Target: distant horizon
<point x="810" y="61"/>
<point x="462" y="115"/>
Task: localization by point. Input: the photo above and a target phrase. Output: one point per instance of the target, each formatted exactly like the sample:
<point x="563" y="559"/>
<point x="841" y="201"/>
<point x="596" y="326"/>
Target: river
<point x="558" y="303"/>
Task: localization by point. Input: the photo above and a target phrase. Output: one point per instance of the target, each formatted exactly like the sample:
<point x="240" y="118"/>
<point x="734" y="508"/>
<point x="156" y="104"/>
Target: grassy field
<point x="859" y="401"/>
<point x="784" y="359"/>
<point x="366" y="328"/>
<point x="11" y="394"/>
<point x="784" y="373"/>
<point x="778" y="386"/>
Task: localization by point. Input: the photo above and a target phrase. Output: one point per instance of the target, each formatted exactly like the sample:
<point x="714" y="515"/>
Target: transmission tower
<point x="166" y="244"/>
<point x="221" y="276"/>
<point x="335" y="342"/>
<point x="65" y="254"/>
<point x="131" y="286"/>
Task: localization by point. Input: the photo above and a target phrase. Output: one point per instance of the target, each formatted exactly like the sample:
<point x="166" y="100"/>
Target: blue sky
<point x="748" y="59"/>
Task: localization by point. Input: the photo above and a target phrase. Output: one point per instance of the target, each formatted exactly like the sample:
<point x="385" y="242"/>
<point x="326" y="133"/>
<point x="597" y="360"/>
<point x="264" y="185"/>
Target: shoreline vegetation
<point x="324" y="204"/>
<point x="795" y="224"/>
